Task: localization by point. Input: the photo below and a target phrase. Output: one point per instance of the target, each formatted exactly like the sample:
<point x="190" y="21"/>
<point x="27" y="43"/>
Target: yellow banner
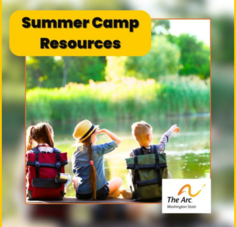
<point x="80" y="33"/>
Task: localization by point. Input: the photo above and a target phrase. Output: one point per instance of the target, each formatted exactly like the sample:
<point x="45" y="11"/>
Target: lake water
<point x="188" y="152"/>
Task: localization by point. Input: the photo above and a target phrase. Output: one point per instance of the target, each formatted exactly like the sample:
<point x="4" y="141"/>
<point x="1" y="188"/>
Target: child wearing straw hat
<point x="88" y="164"/>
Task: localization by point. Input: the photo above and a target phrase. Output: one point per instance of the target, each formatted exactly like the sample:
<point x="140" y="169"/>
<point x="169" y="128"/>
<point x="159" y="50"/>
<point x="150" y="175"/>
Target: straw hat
<point x="83" y="130"/>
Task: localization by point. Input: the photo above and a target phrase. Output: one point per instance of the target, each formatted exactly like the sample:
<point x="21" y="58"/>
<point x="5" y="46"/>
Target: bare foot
<point x="115" y="194"/>
<point x="126" y="194"/>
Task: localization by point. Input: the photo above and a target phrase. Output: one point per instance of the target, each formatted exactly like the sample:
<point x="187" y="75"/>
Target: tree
<point x="163" y="59"/>
<point x="52" y="72"/>
<point x="160" y="27"/>
<point x="83" y="69"/>
<point x="195" y="56"/>
<point x="43" y="72"/>
<point x="66" y="61"/>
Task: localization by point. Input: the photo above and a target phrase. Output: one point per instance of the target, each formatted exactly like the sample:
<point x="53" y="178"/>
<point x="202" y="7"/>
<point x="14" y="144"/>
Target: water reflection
<point x="189" y="165"/>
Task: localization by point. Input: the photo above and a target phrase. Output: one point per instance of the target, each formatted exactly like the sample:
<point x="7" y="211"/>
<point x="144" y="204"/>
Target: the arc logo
<point x="189" y="190"/>
<point x="186" y="196"/>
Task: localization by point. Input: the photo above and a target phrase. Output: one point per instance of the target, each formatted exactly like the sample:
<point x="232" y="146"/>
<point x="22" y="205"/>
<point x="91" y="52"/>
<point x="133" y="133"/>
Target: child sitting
<point x="44" y="162"/>
<point x="142" y="133"/>
<point x="88" y="164"/>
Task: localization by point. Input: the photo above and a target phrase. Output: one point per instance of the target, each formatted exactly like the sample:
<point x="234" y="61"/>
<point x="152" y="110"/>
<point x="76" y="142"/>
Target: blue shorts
<point x="102" y="194"/>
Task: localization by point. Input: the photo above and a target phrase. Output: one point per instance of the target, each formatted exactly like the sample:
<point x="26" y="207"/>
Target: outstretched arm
<point x="166" y="136"/>
<point x="111" y="135"/>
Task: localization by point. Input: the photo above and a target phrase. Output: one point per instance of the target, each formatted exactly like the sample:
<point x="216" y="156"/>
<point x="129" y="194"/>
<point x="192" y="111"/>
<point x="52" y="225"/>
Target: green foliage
<point x="163" y="59"/>
<point x="82" y="69"/>
<point x="160" y="26"/>
<point x="195" y="56"/>
<point x="40" y="69"/>
<point x="128" y="99"/>
<point x="223" y="39"/>
<point x="52" y="72"/>
<point x="169" y="55"/>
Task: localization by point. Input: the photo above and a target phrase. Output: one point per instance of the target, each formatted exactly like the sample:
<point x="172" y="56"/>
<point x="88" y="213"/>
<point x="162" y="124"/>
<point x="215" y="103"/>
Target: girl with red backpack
<point x="44" y="163"/>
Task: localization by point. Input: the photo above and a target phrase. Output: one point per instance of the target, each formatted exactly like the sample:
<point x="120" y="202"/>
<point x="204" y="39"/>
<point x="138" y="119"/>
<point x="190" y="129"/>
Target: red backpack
<point x="42" y="169"/>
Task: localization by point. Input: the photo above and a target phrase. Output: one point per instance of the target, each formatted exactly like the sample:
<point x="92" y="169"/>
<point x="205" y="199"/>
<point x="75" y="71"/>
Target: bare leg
<point x="75" y="182"/>
<point x="114" y="186"/>
<point x="127" y="194"/>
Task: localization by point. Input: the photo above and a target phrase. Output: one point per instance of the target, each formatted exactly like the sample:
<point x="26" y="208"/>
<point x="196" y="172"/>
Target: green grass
<point x="129" y="99"/>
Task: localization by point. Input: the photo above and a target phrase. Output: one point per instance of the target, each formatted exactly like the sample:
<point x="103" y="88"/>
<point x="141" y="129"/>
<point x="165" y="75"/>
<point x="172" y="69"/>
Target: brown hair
<point x="93" y="179"/>
<point x="41" y="133"/>
<point x="140" y="130"/>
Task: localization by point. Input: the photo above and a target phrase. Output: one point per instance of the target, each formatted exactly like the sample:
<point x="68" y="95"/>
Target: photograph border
<point x="101" y="202"/>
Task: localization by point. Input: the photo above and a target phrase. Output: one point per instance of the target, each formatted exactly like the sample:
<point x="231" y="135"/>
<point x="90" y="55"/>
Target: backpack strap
<point x="136" y="177"/>
<point x="136" y="152"/>
<point x="56" y="150"/>
<point x="36" y="151"/>
<point x="58" y="158"/>
<point x="154" y="149"/>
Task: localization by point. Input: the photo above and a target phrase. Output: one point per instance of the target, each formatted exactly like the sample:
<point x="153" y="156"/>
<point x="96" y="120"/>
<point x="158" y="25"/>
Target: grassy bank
<point x="130" y="98"/>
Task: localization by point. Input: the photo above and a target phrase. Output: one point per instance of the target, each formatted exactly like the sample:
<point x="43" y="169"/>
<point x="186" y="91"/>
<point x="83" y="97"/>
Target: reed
<point x="128" y="99"/>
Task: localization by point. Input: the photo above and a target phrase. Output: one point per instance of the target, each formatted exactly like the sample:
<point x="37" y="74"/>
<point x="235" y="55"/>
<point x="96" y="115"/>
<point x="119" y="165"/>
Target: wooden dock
<point x="73" y="200"/>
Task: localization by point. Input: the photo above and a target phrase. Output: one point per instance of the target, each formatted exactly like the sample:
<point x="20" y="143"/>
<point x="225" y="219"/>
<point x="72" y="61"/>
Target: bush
<point x="128" y="99"/>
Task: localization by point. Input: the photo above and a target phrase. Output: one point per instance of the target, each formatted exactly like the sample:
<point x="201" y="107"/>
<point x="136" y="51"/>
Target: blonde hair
<point x="140" y="130"/>
<point x="41" y="133"/>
